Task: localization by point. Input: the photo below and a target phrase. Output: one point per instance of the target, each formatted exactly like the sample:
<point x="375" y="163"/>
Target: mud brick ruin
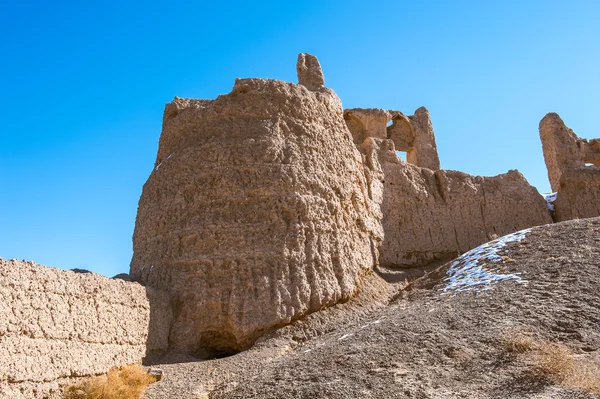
<point x="264" y="205"/>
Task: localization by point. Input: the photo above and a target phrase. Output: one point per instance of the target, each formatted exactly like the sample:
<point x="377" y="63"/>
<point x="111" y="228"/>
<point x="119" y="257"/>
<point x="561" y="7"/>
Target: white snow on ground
<point x="373" y="323"/>
<point x="550" y="198"/>
<point x="345" y="336"/>
<point x="158" y="166"/>
<point x="473" y="271"/>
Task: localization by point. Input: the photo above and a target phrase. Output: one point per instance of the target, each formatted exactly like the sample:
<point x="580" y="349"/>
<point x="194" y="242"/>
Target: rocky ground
<point x="427" y="339"/>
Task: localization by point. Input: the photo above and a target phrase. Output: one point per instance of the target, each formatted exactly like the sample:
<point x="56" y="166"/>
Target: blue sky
<point x="83" y="87"/>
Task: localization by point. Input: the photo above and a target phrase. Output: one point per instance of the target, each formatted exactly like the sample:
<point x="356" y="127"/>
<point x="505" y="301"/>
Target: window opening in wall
<point x="390" y="123"/>
<point x="401" y="155"/>
<point x="586" y="164"/>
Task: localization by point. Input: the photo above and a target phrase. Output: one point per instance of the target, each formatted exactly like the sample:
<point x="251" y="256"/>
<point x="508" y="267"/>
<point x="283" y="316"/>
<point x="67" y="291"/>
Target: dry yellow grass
<point x="555" y="362"/>
<point x="126" y="382"/>
<point x="558" y="363"/>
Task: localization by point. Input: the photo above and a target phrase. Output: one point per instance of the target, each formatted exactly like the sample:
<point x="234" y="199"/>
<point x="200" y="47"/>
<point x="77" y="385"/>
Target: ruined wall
<point x="578" y="196"/>
<point x="563" y="150"/>
<point x="257" y="212"/>
<point x="56" y="325"/>
<point x="413" y="134"/>
<point x="573" y="169"/>
<point x="430" y="215"/>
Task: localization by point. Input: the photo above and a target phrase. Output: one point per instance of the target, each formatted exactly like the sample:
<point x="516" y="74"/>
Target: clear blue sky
<point x="83" y="86"/>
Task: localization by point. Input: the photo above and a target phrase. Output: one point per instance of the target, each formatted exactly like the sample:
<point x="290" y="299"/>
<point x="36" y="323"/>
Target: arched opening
<point x="401" y="132"/>
<point x="356" y="127"/>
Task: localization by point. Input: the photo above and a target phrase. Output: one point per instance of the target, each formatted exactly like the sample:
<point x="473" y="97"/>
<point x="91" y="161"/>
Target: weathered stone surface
<point x="413" y="134"/>
<point x="573" y="169"/>
<point x="56" y="325"/>
<point x="367" y="122"/>
<point x="578" y="196"/>
<point x="422" y="151"/>
<point x="257" y="213"/>
<point x="430" y="215"/>
<point x="309" y="71"/>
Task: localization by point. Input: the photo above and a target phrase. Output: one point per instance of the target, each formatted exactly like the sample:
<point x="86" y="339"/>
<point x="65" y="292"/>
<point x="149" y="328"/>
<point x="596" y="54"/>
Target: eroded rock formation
<point x="434" y="215"/>
<point x="56" y="325"/>
<point x="413" y="134"/>
<point x="261" y="209"/>
<point x="263" y="206"/>
<point x="257" y="211"/>
<point x="573" y="169"/>
<point x="310" y="74"/>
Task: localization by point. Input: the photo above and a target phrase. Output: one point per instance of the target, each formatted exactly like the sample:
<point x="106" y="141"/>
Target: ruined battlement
<point x="573" y="167"/>
<point x="413" y="134"/>
<point x="264" y="205"/>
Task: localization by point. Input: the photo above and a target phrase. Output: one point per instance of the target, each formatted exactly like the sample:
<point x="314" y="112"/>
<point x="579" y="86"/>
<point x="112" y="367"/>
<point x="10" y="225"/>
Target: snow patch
<point x="345" y="336"/>
<point x="550" y="198"/>
<point x="472" y="272"/>
<point x="166" y="159"/>
<point x="373" y="323"/>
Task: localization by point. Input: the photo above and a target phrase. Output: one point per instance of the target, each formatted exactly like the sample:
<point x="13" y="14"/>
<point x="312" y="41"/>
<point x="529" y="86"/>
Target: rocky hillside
<point x="518" y="317"/>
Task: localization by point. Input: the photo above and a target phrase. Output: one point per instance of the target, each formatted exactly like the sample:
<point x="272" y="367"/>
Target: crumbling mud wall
<point x="256" y="213"/>
<point x="56" y="325"/>
<point x="413" y="134"/>
<point x="435" y="215"/>
<point x="573" y="169"/>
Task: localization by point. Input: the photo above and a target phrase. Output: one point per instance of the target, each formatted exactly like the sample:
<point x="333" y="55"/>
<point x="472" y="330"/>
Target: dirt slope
<point x="428" y="342"/>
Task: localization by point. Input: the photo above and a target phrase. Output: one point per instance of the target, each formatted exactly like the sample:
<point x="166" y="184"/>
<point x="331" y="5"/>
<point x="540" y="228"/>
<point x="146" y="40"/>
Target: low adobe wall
<point x="435" y="215"/>
<point x="56" y="325"/>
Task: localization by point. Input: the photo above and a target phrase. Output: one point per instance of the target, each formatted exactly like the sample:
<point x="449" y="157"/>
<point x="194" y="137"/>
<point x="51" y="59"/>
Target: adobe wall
<point x="573" y="169"/>
<point x="56" y="325"/>
<point x="256" y="213"/>
<point x="411" y="134"/>
<point x="435" y="215"/>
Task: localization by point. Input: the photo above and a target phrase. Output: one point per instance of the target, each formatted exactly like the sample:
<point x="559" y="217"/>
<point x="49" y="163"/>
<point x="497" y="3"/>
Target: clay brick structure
<point x="264" y="205"/>
<point x="310" y="74"/>
<point x="413" y="134"/>
<point x="432" y="215"/>
<point x="56" y="325"/>
<point x="256" y="213"/>
<point x="573" y="169"/>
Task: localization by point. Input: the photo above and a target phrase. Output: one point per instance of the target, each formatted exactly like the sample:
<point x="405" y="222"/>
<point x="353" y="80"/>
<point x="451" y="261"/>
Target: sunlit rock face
<point x="573" y="169"/>
<point x="434" y="215"/>
<point x="256" y="213"/>
<point x="58" y="324"/>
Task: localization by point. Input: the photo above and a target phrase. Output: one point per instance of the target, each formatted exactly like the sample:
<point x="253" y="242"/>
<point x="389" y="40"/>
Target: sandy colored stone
<point x="573" y="169"/>
<point x="422" y="151"/>
<point x="428" y="343"/>
<point x="256" y="213"/>
<point x="367" y="122"/>
<point x="309" y="72"/>
<point x="413" y="134"/>
<point x="578" y="196"/>
<point x="432" y="215"/>
<point x="56" y="324"/>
